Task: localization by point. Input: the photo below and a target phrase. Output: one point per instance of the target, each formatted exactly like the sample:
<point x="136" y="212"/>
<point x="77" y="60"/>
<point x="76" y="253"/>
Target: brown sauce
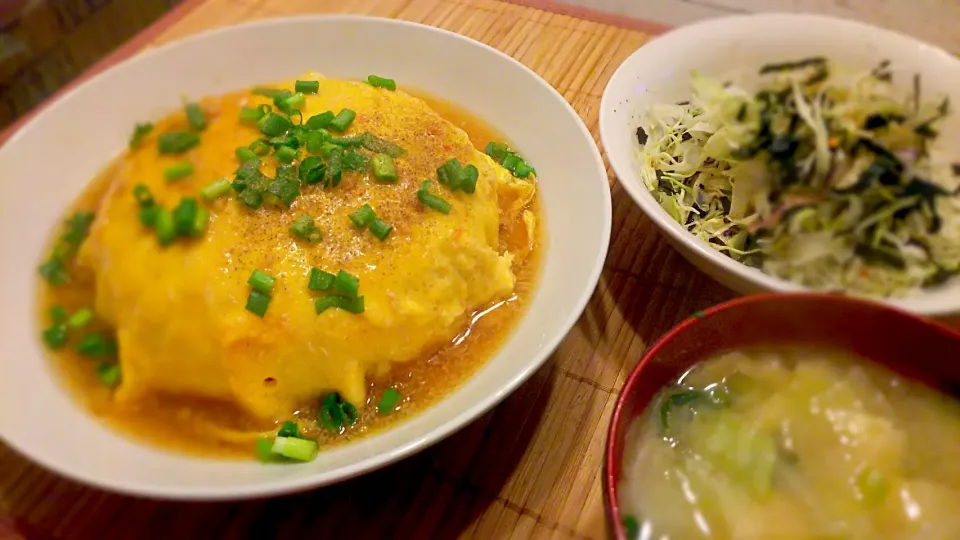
<point x="175" y="422"/>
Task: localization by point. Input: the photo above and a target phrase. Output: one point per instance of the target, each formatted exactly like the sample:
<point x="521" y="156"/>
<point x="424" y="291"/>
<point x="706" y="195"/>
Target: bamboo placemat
<point x="529" y="468"/>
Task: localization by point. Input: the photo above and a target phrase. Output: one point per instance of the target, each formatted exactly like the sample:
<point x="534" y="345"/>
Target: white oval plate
<point x="47" y="163"/>
<point x="659" y="72"/>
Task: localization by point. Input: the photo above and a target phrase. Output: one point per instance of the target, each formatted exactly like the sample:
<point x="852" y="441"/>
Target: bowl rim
<point x="299" y="483"/>
<point x="619" y="420"/>
<point x="757" y="280"/>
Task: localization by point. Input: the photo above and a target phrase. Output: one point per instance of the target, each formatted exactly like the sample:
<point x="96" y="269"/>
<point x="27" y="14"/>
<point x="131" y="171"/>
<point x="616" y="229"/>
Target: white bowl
<point x="47" y="163"/>
<point x="659" y="72"/>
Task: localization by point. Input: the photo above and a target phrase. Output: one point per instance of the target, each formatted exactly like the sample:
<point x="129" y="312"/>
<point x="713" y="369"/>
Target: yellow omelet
<point x="179" y="311"/>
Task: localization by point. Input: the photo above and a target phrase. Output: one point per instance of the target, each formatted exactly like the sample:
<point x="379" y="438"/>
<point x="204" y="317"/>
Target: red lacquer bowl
<point x="909" y="345"/>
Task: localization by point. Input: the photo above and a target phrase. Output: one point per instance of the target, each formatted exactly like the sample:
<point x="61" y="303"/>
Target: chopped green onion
<point x="380" y="146"/>
<point x="109" y="374"/>
<point x="285" y="190"/>
<point x="216" y="189"/>
<point x="77" y="228"/>
<point x="285" y="154"/>
<point x="195" y="116"/>
<point x="311" y="170"/>
<point x="380" y="229"/>
<point x="364" y="216"/>
<point x="251" y="197"/>
<point x="327" y="149"/>
<point x="497" y="150"/>
<point x="289" y="140"/>
<point x="280" y="101"/>
<point x="200" y="221"/>
<point x="140" y="132"/>
<point x="257" y="303"/>
<point x="314" y="140"/>
<point x="388" y="403"/>
<point x="80" y="318"/>
<point x="346" y="284"/>
<point x="56" y="336"/>
<point x="245" y="154"/>
<point x="452" y="175"/>
<point x="148" y="215"/>
<point x="250" y="115"/>
<point x="264" y="449"/>
<point x="274" y="125"/>
<point x="334" y="167"/>
<point x="266" y="92"/>
<point x="320" y="280"/>
<point x="347" y="141"/>
<point x="631" y="527"/>
<point x="143" y="196"/>
<point x="296" y="449"/>
<point x="307" y="87"/>
<point x="295" y="101"/>
<point x="380" y="82"/>
<point x="305" y="228"/>
<point x="178" y="171"/>
<point x="165" y="226"/>
<point x="177" y="142"/>
<point x="54" y="272"/>
<point x="248" y="171"/>
<point x="511" y="161"/>
<point x="287" y="173"/>
<point x="352" y="305"/>
<point x="432" y="201"/>
<point x="261" y="281"/>
<point x="383" y="169"/>
<point x="260" y="148"/>
<point x="93" y="344"/>
<point x="471" y="175"/>
<point x="523" y="170"/>
<point x="343" y="120"/>
<point x="184" y="216"/>
<point x="320" y="121"/>
<point x="289" y="429"/>
<point x="58" y="314"/>
<point x="333" y="413"/>
<point x="355" y="161"/>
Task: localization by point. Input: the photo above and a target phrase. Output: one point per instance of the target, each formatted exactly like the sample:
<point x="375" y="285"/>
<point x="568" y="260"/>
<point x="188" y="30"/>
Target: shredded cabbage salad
<point x="822" y="178"/>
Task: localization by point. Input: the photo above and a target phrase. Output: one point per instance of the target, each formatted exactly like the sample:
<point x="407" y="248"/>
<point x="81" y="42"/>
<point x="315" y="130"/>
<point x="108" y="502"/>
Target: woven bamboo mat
<point x="529" y="468"/>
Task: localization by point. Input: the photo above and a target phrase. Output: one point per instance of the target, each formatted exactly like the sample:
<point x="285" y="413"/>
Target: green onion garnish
<point x="178" y="171"/>
<point x="380" y="229"/>
<point x="383" y="169"/>
<point x="315" y="140"/>
<point x="307" y="87"/>
<point x="432" y="201"/>
<point x="56" y="336"/>
<point x="77" y="227"/>
<point x="380" y="82"/>
<point x="346" y="284"/>
<point x="320" y="121"/>
<point x="294" y="448"/>
<point x="93" y="344"/>
<point x="285" y="154"/>
<point x="165" y="226"/>
<point x="140" y="132"/>
<point x="285" y="190"/>
<point x="251" y="197"/>
<point x="280" y="101"/>
<point x="388" y="403"/>
<point x="304" y="227"/>
<point x="289" y="140"/>
<point x="511" y="161"/>
<point x="54" y="272"/>
<point x="380" y="146"/>
<point x="523" y="170"/>
<point x="109" y="374"/>
<point x="347" y="142"/>
<point x="469" y="184"/>
<point x="148" y="216"/>
<point x="311" y="170"/>
<point x="245" y="154"/>
<point x="355" y="161"/>
<point x="289" y="429"/>
<point x="58" y="314"/>
<point x="261" y="281"/>
<point x="195" y="116"/>
<point x="343" y="120"/>
<point x="497" y="150"/>
<point x="335" y="413"/>
<point x="363" y="217"/>
<point x="260" y="148"/>
<point x="295" y="101"/>
<point x="184" y="216"/>
<point x="452" y="175"/>
<point x="216" y="189"/>
<point x="143" y="196"/>
<point x="177" y="142"/>
<point x="257" y="303"/>
<point x="264" y="450"/>
<point x="266" y="92"/>
<point x="351" y="305"/>
<point x="200" y="221"/>
<point x="250" y="115"/>
<point x="320" y="280"/>
<point x="80" y="318"/>
<point x="334" y="167"/>
<point x="274" y="125"/>
<point x="287" y="173"/>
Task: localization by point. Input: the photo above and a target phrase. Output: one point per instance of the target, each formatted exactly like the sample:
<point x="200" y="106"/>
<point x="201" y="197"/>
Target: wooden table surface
<point x="529" y="468"/>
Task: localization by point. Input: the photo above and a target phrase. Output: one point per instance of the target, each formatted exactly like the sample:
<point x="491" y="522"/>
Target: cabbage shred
<point x="825" y="179"/>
